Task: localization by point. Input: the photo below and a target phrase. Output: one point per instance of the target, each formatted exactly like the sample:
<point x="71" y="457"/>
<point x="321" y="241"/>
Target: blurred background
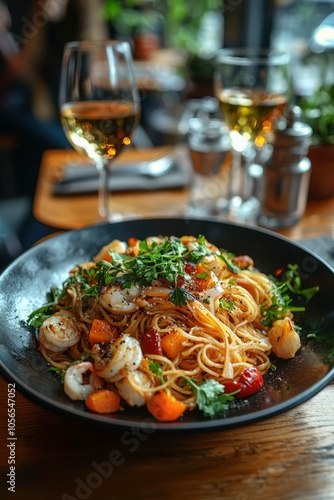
<point x="174" y="45"/>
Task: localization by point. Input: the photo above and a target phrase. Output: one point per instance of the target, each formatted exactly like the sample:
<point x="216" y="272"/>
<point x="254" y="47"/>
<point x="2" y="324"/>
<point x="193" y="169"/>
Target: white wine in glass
<point x="99" y="105"/>
<point x="253" y="89"/>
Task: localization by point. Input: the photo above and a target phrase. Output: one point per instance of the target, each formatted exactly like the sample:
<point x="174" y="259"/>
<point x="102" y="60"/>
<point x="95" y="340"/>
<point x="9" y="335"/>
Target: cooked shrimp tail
<point x="284" y="339"/>
<point x="74" y="385"/>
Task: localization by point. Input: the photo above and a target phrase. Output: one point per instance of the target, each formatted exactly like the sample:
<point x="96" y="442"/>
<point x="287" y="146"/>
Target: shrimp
<point x="284" y="339"/>
<point x="215" y="264"/>
<point x="155" y="239"/>
<point x="119" y="300"/>
<point x="114" y="246"/>
<point x="84" y="265"/>
<point x="112" y="360"/>
<point x="192" y="243"/>
<point x="59" y="332"/>
<point x="73" y="381"/>
<point x="129" y="388"/>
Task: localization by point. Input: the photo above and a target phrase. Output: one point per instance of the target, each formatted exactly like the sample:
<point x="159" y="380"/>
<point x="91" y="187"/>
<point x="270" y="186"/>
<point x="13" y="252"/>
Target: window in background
<point x="294" y="25"/>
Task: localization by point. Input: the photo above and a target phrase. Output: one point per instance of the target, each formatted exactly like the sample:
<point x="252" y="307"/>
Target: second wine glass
<point x="99" y="105"/>
<point x="253" y="88"/>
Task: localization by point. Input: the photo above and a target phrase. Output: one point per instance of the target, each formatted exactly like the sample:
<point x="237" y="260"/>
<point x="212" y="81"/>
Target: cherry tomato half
<point x="250" y="381"/>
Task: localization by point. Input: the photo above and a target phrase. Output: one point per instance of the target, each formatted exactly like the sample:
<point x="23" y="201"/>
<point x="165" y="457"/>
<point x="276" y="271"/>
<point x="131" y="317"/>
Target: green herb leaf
<point x="180" y="297"/>
<point x="281" y="299"/>
<point x="210" y="397"/>
<point x="37" y="317"/>
<point x="161" y="261"/>
<point x="155" y="367"/>
<point x="230" y="266"/>
<point x="61" y="373"/>
<point x="227" y="305"/>
<point x="294" y="283"/>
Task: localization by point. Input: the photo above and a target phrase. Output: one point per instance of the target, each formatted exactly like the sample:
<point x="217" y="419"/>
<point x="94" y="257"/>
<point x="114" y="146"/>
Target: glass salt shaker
<point x="286" y="175"/>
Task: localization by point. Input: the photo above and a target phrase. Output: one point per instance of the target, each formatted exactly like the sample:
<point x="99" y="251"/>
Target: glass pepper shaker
<point x="286" y="175"/>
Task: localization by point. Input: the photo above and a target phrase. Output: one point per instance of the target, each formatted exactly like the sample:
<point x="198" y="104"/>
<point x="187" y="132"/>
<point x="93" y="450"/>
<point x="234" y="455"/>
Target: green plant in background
<point x="180" y="22"/>
<point x="318" y="112"/>
<point x="129" y="17"/>
<point x="181" y="19"/>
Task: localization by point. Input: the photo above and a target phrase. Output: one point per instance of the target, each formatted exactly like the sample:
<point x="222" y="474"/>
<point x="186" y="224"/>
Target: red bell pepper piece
<point x="151" y="342"/>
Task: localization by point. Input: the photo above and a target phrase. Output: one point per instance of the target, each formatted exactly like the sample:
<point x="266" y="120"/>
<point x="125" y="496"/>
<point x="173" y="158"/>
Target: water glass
<point x="209" y="151"/>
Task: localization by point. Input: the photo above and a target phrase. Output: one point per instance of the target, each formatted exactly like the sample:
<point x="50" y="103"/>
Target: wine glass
<point x="253" y="89"/>
<point x="99" y="105"/>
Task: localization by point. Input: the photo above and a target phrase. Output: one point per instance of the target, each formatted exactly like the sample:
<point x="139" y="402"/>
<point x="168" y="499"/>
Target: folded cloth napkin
<point x="80" y="178"/>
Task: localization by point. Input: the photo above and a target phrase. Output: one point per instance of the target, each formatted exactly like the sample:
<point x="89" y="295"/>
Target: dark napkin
<point x="80" y="179"/>
<point x="323" y="246"/>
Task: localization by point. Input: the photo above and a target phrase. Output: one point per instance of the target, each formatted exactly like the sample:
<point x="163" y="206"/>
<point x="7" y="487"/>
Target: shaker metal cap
<point x="290" y="144"/>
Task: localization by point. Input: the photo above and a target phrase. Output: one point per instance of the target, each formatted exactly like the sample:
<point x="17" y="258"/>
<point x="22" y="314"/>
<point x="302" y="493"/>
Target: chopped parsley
<point x="37" y="317"/>
<point x="61" y="373"/>
<point x="227" y="305"/>
<point x="161" y="261"/>
<point x="281" y="301"/>
<point x="294" y="284"/>
<point x="210" y="396"/>
<point x="229" y="264"/>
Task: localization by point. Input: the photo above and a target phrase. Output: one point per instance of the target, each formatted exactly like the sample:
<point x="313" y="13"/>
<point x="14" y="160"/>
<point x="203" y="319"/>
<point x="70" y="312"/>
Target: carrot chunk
<point x="106" y="256"/>
<point x="132" y="242"/>
<point x="165" y="407"/>
<point x="103" y="401"/>
<point x="171" y="343"/>
<point x="102" y="331"/>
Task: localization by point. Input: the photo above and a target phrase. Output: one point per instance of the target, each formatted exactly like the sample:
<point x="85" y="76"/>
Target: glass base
<point x="276" y="222"/>
<point x="244" y="210"/>
<point x="119" y="217"/>
<point x="219" y="209"/>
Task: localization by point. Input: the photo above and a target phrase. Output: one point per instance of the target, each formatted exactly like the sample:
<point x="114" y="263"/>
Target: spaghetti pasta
<point x="187" y="316"/>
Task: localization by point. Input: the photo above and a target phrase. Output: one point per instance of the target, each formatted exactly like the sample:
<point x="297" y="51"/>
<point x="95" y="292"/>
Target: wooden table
<point x="69" y="212"/>
<point x="290" y="456"/>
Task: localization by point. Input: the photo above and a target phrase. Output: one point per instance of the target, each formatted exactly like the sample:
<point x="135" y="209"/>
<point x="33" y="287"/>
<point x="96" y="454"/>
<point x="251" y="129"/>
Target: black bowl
<point x="24" y="284"/>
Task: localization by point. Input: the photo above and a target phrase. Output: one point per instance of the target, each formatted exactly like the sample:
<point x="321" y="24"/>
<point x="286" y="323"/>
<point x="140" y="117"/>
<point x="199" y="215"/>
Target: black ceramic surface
<point x="24" y="284"/>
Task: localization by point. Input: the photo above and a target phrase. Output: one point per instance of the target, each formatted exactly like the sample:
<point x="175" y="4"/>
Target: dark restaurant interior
<point x="183" y="38"/>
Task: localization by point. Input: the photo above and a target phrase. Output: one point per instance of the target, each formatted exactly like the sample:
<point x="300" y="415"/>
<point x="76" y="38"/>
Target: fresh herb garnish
<point x="294" y="283"/>
<point x="281" y="301"/>
<point x="155" y="367"/>
<point x="226" y="305"/>
<point x="229" y="264"/>
<point x="210" y="396"/>
<point x="83" y="277"/>
<point x="61" y="373"/>
<point x="161" y="261"/>
<point x="281" y="304"/>
<point x="37" y="317"/>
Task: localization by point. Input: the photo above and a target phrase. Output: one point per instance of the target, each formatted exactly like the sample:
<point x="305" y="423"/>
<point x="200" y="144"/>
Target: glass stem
<point x="103" y="193"/>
